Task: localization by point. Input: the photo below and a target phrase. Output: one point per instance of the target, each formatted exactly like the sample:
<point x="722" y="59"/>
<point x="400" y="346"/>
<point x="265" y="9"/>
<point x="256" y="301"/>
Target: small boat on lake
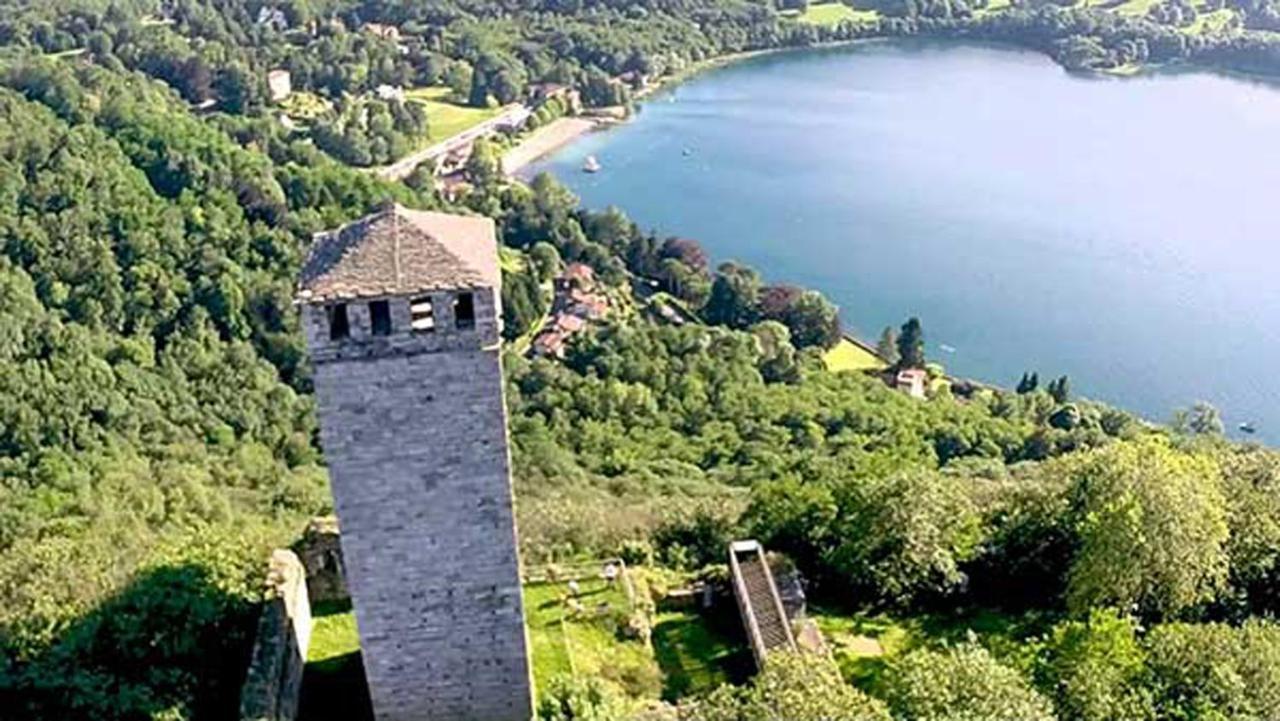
<point x="1248" y="427"/>
<point x="947" y="348"/>
<point x="591" y="165"/>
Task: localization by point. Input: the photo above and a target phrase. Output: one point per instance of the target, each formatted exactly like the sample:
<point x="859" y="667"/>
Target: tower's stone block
<point x="401" y="315"/>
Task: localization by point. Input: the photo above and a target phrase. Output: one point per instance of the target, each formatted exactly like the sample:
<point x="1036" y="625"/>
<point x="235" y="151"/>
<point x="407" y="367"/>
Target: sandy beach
<point x="544" y="140"/>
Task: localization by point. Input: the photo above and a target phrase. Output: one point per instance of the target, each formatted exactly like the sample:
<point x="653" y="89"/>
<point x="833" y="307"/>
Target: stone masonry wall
<point x="320" y="550"/>
<point x="417" y="451"/>
<point x="274" y="679"/>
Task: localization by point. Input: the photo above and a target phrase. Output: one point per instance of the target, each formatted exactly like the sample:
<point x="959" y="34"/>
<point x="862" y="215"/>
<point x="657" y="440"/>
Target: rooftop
<point x="398" y="251"/>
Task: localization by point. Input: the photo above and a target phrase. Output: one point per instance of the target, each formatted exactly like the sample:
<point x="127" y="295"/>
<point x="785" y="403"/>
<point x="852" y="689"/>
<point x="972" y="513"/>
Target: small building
<point x="912" y="381"/>
<point x="570" y="323"/>
<point x="576" y="275"/>
<point x="513" y="120"/>
<point x="389" y="92"/>
<point x="540" y="93"/>
<point x="279" y="85"/>
<point x="636" y="79"/>
<point x="550" y="344"/>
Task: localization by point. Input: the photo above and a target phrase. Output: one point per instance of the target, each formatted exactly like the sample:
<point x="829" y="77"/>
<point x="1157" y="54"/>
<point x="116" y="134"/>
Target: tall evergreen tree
<point x="911" y="345"/>
<point x="1060" y="389"/>
<point x="887" y="347"/>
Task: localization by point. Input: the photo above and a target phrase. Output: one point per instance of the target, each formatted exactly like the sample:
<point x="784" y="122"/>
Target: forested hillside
<point x="157" y="434"/>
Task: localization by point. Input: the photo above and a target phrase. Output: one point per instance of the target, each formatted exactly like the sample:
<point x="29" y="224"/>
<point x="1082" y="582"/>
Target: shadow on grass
<point x="695" y="657"/>
<point x="335" y="689"/>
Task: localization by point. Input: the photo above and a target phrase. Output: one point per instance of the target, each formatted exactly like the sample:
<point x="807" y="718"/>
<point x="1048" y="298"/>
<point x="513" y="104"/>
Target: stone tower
<point x="401" y="312"/>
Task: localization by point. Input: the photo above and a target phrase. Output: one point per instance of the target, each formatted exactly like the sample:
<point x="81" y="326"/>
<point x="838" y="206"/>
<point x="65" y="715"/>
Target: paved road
<point x="401" y="169"/>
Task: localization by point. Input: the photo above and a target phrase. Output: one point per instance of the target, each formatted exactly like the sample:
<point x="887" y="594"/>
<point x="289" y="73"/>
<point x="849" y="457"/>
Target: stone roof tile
<point x="398" y="251"/>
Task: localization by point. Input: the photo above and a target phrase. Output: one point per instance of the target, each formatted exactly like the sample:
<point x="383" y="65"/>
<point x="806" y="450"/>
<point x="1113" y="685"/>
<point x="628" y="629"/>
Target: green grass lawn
<point x="849" y="356"/>
<point x="688" y="656"/>
<point x="333" y="684"/>
<point x="833" y="13"/>
<point x="587" y="643"/>
<point x="694" y="657"/>
<point x="863" y="645"/>
<point x="444" y="118"/>
<point x="303" y="105"/>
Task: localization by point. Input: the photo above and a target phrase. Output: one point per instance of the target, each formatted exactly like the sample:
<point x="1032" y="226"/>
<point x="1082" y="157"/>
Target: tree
<point x="734" y="295"/>
<point x="1096" y="668"/>
<point x="1216" y="671"/>
<point x="794" y="687"/>
<point x="911" y="345"/>
<point x="777" y="355"/>
<point x="905" y="535"/>
<point x="1151" y="527"/>
<point x="961" y="682"/>
<point x="483" y="166"/>
<point x="792" y="517"/>
<point x="1029" y="383"/>
<point x="1201" y="420"/>
<point x="814" y="321"/>
<point x="580" y="698"/>
<point x="1060" y="389"/>
<point x="1251" y="481"/>
<point x="546" y="259"/>
<point x="685" y="250"/>
<point x="522" y="303"/>
<point x="887" y="347"/>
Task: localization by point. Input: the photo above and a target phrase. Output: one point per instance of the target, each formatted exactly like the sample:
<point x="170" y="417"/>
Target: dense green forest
<point x="157" y="434"/>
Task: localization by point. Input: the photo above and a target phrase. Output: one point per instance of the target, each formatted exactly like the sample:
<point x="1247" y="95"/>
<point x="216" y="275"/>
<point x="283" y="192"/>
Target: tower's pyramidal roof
<point x="398" y="251"/>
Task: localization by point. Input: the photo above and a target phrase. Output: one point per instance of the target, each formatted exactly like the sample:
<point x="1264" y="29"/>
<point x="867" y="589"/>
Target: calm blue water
<point x="1122" y="232"/>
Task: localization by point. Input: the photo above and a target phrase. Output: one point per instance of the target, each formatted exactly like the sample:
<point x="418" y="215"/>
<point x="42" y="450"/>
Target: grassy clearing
<point x="303" y="105"/>
<point x="587" y="642"/>
<point x="864" y="644"/>
<point x="444" y="118"/>
<point x="849" y="356"/>
<point x="833" y="13"/>
<point x="694" y="657"/>
<point x="333" y="684"/>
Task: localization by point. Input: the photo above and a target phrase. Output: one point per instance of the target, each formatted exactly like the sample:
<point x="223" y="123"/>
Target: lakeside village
<point x="550" y="116"/>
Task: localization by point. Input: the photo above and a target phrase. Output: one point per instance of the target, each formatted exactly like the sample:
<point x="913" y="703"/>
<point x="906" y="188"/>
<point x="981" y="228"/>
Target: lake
<point x="1119" y="231"/>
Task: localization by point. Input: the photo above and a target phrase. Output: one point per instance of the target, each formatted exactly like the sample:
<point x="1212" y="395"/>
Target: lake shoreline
<point x="756" y="139"/>
<point x="548" y="139"/>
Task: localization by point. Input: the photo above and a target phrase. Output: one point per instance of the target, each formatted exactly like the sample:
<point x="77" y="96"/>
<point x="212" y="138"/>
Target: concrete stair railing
<point x="758" y="601"/>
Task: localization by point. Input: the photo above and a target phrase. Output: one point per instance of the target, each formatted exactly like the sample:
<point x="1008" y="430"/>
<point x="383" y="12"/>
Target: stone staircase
<point x="762" y="614"/>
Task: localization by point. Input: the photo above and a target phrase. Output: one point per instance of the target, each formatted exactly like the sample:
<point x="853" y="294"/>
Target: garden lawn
<point x="833" y="13"/>
<point x="444" y="118"/>
<point x="694" y="657"/>
<point x="587" y="644"/>
<point x="849" y="356"/>
<point x="333" y="684"/>
<point x="863" y="645"/>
